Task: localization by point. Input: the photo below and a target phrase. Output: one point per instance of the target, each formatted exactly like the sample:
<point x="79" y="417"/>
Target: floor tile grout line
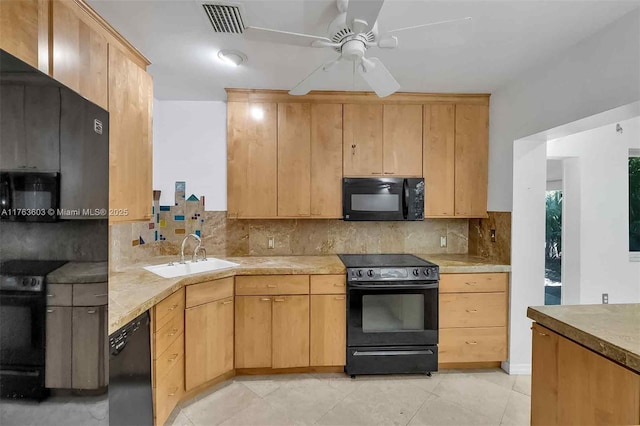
<point x="431" y="395"/>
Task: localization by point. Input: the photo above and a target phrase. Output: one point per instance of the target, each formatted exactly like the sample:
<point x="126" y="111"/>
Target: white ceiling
<point x="508" y="37"/>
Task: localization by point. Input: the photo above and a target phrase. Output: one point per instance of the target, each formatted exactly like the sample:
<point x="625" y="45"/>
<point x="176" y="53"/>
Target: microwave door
<point x="373" y="199"/>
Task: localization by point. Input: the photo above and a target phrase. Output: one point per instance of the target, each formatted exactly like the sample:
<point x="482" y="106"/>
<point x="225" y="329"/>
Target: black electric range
<point x="23" y="304"/>
<point x="392" y="314"/>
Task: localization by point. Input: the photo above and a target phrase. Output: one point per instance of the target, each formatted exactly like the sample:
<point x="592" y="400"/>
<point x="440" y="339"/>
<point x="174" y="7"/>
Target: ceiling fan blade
<point x="378" y="77"/>
<point x="364" y="12"/>
<point x="312" y="79"/>
<point x="283" y="37"/>
<point x="449" y="33"/>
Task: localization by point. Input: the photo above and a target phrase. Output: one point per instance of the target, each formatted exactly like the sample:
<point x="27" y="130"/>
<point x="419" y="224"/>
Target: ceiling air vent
<point x="225" y="18"/>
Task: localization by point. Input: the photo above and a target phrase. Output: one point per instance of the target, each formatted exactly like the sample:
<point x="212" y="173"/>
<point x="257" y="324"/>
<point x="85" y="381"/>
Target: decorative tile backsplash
<point x="169" y="225"/>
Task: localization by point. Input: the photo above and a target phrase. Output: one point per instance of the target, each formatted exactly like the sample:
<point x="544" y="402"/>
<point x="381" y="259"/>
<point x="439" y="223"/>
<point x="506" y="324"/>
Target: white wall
<point x="599" y="73"/>
<point x="190" y="144"/>
<point x="597" y="214"/>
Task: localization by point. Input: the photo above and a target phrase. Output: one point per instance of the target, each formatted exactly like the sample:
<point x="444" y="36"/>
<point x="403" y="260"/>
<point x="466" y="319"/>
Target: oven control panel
<point x="393" y="274"/>
<point x="21" y="283"/>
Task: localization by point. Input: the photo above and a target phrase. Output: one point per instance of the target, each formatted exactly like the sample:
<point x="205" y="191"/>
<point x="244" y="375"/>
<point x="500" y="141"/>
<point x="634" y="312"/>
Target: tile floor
<point x="56" y="411"/>
<point x="455" y="397"/>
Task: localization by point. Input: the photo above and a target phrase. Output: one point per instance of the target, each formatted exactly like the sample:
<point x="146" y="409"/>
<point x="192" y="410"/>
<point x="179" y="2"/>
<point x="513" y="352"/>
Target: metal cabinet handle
<point x="472" y="310"/>
<point x="339" y="298"/>
<point x="91" y="311"/>
<point x="376" y="173"/>
<point x="543" y="334"/>
<point x="49" y="311"/>
<point x="471" y="343"/>
<point x="226" y="302"/>
<point x="173" y="332"/>
<point x="173" y="358"/>
<point x="173" y="307"/>
<point x="389" y="173"/>
<point x="278" y="300"/>
<point x="272" y="286"/>
<point x="101" y="295"/>
<point x="174" y="391"/>
<point x="50" y="295"/>
<point x="265" y="299"/>
<point x="471" y="283"/>
<point x="338" y="285"/>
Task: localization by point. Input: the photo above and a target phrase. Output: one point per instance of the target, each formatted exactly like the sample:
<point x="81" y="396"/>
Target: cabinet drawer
<point x="472" y="344"/>
<point x="461" y="283"/>
<point x="473" y="310"/>
<point x="168" y="391"/>
<point x="272" y="284"/>
<point x="168" y="334"/>
<point x="168" y="359"/>
<point x="166" y="309"/>
<point x="90" y="294"/>
<point x="328" y="284"/>
<point x="59" y="294"/>
<point x="210" y="291"/>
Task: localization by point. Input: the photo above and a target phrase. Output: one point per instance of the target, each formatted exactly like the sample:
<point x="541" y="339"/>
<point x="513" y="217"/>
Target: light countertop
<point x="80" y="273"/>
<point x="610" y="330"/>
<point x="135" y="290"/>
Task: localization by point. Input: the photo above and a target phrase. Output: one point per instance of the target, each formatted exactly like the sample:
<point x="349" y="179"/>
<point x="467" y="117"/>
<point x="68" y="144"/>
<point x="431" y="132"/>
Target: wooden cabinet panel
<point x="251" y="160"/>
<point x="59" y="294"/>
<point x="253" y="331"/>
<point x="208" y="341"/>
<point x="166" y="309"/>
<point x="326" y="160"/>
<point x="89" y="348"/>
<point x="168" y="392"/>
<point x="472" y="344"/>
<point x="93" y="294"/>
<point x="294" y="159"/>
<point x="473" y="310"/>
<point x="290" y="331"/>
<point x="58" y="349"/>
<point x="328" y="330"/>
<point x="483" y="282"/>
<point x="402" y="140"/>
<point x="19" y="23"/>
<point x="544" y="377"/>
<point x="169" y="332"/>
<point x="199" y="294"/>
<point x="129" y="138"/>
<point x="472" y="156"/>
<point x="13" y="154"/>
<point x="79" y="52"/>
<point x="272" y="284"/>
<point x="169" y="358"/>
<point x="439" y="160"/>
<point x="328" y="284"/>
<point x="362" y="140"/>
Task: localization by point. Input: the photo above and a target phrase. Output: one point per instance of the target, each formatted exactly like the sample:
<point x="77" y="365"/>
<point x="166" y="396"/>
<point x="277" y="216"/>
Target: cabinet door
<point x="294" y="159"/>
<point x="544" y="377"/>
<point x="208" y="341"/>
<point x="19" y="21"/>
<point x="79" y="52"/>
<point x="42" y="135"/>
<point x="88" y="366"/>
<point x="472" y="156"/>
<point x="13" y="154"/>
<point x="326" y="160"/>
<point x="253" y="331"/>
<point x="58" y="349"/>
<point x="328" y="330"/>
<point x="252" y="160"/>
<point x="362" y="143"/>
<point x="290" y="331"/>
<point x="402" y="140"/>
<point x="439" y="160"/>
<point x="130" y="139"/>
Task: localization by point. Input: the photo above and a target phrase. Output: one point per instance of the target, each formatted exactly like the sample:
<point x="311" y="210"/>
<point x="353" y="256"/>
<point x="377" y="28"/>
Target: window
<point x="634" y="203"/>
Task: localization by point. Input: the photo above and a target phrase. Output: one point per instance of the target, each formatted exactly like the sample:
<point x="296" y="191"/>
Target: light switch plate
<point x="605" y="298"/>
<point x="443" y="241"/>
<point x="493" y="235"/>
<point x="272" y="243"/>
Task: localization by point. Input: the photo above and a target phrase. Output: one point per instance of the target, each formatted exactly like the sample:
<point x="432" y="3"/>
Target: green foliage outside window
<point x="634" y="204"/>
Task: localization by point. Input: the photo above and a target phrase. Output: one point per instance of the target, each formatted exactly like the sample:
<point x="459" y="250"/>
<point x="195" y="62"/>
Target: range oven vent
<point x="225" y="18"/>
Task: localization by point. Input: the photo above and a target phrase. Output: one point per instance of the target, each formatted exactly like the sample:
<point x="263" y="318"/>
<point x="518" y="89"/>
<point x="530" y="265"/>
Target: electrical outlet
<point x="493" y="235"/>
<point x="272" y="243"/>
<point x="605" y="298"/>
<point x="443" y="241"/>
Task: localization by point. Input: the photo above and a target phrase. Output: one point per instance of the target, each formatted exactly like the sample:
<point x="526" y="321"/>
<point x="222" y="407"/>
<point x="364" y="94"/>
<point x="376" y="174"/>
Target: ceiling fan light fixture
<point x="232" y="57"/>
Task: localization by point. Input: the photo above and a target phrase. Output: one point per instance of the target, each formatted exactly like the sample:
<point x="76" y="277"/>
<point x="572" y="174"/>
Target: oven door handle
<point x="392" y="353"/>
<point x="367" y="286"/>
<point x="405" y="199"/>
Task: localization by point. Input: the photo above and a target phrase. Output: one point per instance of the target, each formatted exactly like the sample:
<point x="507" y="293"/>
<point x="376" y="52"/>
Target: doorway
<point x="553" y="248"/>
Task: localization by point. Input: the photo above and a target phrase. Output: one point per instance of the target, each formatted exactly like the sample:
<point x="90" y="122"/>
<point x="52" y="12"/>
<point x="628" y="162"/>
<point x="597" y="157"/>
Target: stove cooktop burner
<point x="383" y="260"/>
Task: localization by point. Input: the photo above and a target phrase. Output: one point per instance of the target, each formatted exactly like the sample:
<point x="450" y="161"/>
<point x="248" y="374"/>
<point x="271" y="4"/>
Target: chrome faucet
<point x="184" y="242"/>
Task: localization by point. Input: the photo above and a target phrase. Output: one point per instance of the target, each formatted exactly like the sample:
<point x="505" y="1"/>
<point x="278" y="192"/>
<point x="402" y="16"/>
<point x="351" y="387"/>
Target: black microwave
<point x="383" y="199"/>
<point x="29" y="196"/>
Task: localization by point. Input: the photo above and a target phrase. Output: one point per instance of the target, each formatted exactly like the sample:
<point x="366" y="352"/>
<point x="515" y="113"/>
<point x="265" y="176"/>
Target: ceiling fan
<point x="351" y="33"/>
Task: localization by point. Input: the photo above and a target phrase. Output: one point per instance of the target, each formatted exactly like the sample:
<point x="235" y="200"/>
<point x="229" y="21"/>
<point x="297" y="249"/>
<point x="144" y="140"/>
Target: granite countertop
<point x="610" y="330"/>
<point x="135" y="290"/>
<point x="80" y="273"/>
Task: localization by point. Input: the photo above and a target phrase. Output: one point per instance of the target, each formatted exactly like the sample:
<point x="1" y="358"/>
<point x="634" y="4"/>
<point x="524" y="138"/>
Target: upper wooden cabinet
<point x="326" y="160"/>
<point x="294" y="159"/>
<point x="130" y="100"/>
<point x="362" y="141"/>
<point x="79" y="52"/>
<point x="455" y="158"/>
<point x="402" y="140"/>
<point x="252" y="156"/>
<point x="20" y="22"/>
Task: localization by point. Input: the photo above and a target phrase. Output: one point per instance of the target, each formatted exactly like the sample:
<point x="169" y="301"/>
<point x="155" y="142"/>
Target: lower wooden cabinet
<point x="89" y="365"/>
<point x="328" y="330"/>
<point x="208" y="341"/>
<point x="290" y="332"/>
<point x="58" y="349"/>
<point x="253" y="332"/>
<point x="572" y="385"/>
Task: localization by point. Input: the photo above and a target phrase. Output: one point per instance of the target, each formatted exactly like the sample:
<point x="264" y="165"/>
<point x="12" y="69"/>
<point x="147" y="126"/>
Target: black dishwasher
<point x="130" y="400"/>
